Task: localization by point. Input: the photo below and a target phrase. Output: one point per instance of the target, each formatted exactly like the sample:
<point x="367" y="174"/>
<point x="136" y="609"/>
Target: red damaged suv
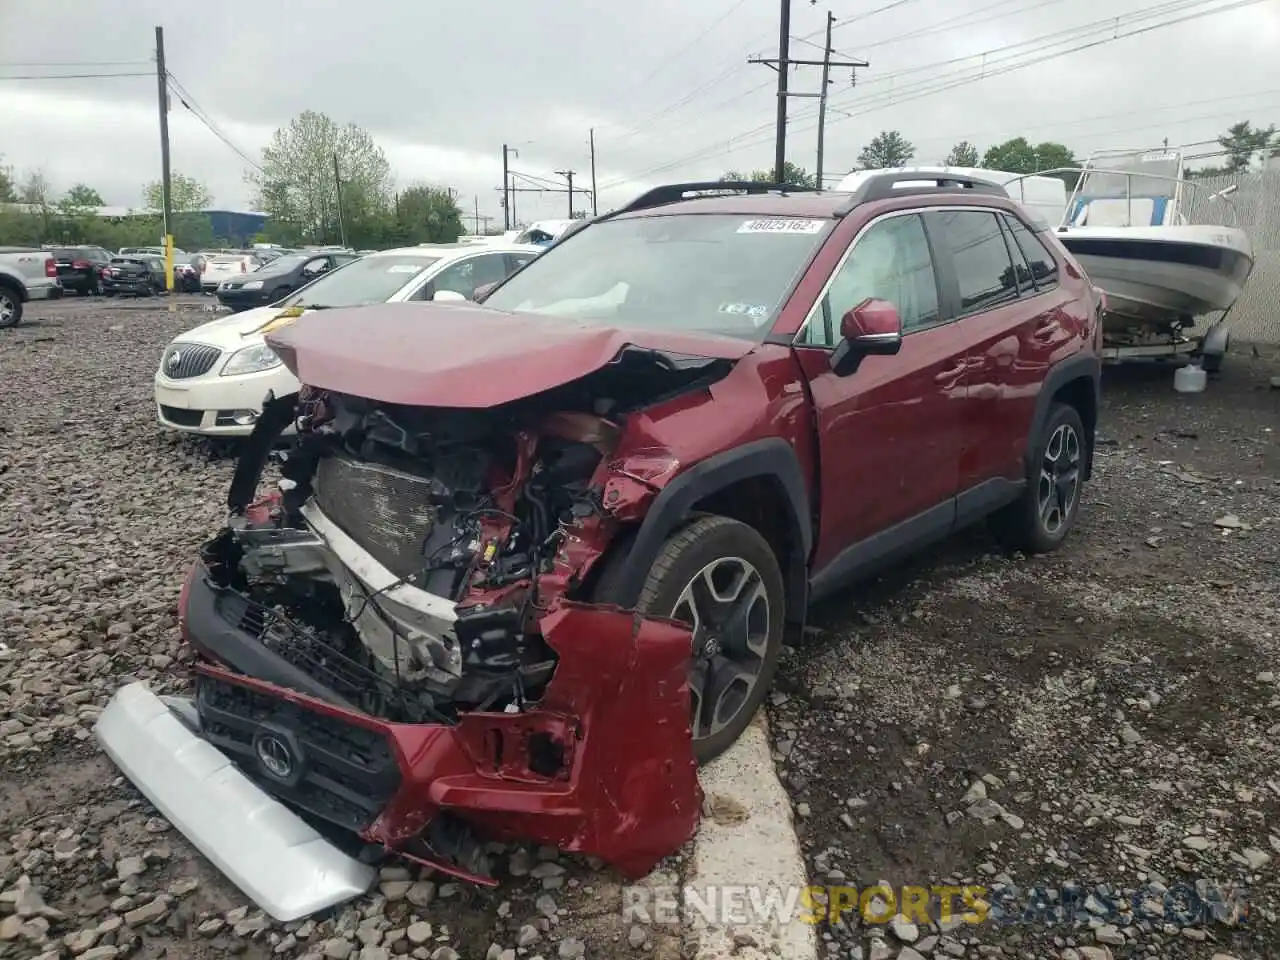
<point x="532" y="559"/>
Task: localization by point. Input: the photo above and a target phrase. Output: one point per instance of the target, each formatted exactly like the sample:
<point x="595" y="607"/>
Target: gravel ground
<point x="100" y="512"/>
<point x="1102" y="724"/>
<point x="1151" y="614"/>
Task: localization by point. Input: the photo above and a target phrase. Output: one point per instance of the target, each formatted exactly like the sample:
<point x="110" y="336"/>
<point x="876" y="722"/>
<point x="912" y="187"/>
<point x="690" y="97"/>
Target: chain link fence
<point x="1256" y="203"/>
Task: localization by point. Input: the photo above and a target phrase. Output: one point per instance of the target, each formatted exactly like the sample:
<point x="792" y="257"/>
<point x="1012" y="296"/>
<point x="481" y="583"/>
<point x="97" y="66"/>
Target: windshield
<point x="362" y="282"/>
<point x="709" y="273"/>
<point x="1149" y="175"/>
<point x="289" y="262"/>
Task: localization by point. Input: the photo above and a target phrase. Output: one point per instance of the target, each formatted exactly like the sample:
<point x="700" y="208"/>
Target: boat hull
<point x="1158" y="279"/>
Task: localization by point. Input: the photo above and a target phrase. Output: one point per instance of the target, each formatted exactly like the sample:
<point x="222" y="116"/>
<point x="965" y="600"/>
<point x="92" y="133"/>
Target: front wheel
<point x="721" y="578"/>
<point x="10" y="308"/>
<point x="1039" y="520"/>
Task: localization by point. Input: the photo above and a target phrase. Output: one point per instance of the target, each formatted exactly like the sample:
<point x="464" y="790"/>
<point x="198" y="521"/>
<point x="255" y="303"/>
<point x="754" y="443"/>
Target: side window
<point x="1044" y="269"/>
<point x="475" y="272"/>
<point x="313" y="268"/>
<point x="891" y="261"/>
<point x="458" y="277"/>
<point x="977" y="248"/>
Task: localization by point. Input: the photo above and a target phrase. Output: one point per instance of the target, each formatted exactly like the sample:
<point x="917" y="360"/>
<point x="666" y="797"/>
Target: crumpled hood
<point x="463" y="355"/>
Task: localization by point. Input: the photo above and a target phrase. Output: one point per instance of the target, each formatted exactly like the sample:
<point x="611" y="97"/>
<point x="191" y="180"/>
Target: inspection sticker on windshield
<point x="781" y="226"/>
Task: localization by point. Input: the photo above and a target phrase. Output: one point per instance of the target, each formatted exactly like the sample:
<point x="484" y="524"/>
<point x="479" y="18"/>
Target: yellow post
<point x="168" y="268"/>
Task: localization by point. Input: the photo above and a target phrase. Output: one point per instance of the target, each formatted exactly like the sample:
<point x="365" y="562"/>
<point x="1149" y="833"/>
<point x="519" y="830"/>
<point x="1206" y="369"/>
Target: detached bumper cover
<point x="267" y="851"/>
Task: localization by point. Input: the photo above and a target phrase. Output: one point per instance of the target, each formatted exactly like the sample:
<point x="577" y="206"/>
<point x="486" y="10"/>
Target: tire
<point x="1039" y="520"/>
<point x="708" y="551"/>
<point x="10" y="307"/>
<point x="1211" y="362"/>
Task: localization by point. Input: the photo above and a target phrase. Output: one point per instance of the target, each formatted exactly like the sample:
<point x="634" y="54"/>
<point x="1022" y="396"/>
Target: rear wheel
<point x="721" y="577"/>
<point x="1045" y="513"/>
<point x="10" y="307"/>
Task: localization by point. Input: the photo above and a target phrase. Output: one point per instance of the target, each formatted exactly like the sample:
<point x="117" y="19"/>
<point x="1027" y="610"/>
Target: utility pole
<point x="568" y="175"/>
<point x="508" y="215"/>
<point x="592" y="141"/>
<point x="822" y="98"/>
<point x="476" y="229"/>
<point x="782" y="63"/>
<point x="337" y="180"/>
<point x="166" y="184"/>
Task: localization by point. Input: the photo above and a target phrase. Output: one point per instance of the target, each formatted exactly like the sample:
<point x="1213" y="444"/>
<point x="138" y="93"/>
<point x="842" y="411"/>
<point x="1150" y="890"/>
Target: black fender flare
<point x="16" y="285"/>
<point x="772" y="457"/>
<point x="277" y="414"/>
<point x="1078" y="367"/>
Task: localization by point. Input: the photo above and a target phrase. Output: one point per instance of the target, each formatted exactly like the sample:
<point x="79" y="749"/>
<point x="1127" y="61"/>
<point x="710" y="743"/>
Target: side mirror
<point x="872" y="328"/>
<point x="448" y="296"/>
<point x="483" y="291"/>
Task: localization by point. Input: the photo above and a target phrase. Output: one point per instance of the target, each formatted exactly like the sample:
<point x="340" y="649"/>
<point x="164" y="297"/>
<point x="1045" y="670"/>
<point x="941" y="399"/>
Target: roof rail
<point x="674" y="192"/>
<point x="882" y="186"/>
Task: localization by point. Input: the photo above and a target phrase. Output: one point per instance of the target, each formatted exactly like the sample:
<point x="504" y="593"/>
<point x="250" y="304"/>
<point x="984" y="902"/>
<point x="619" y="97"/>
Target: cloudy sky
<point x="665" y="83"/>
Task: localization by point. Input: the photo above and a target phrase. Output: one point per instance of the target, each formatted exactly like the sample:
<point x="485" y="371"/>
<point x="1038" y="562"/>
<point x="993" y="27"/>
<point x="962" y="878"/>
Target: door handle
<point x="948" y="376"/>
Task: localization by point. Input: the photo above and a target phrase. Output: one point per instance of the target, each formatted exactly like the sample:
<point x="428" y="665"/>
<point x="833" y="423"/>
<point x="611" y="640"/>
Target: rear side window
<point x="973" y="241"/>
<point x="1044" y="269"/>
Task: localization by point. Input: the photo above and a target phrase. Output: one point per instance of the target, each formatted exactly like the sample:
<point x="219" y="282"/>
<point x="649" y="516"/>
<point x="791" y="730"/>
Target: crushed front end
<point x="398" y="645"/>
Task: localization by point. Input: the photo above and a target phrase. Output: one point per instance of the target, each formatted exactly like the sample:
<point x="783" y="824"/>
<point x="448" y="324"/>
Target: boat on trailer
<point x="1127" y="224"/>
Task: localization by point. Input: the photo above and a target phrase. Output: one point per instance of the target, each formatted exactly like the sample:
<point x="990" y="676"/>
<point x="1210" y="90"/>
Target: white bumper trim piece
<point x="373" y="574"/>
<point x="271" y="854"/>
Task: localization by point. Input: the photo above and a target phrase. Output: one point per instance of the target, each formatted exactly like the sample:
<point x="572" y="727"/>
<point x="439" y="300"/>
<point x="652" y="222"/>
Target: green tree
<point x="425" y="214"/>
<point x="83" y="196"/>
<point x="1013" y="156"/>
<point x="963" y="154"/>
<point x="888" y="148"/>
<point x="792" y="173"/>
<point x="7" y="193"/>
<point x="296" y="184"/>
<point x="1020" y="156"/>
<point x="1242" y="141"/>
<point x="185" y="194"/>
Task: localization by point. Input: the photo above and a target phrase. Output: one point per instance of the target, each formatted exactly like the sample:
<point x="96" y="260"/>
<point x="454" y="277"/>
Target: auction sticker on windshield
<point x="781" y="226"/>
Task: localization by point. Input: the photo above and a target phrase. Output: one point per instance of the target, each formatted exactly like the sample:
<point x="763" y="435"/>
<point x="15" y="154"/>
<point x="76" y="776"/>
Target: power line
<point x="939" y="85"/>
<point x="939" y="26"/>
<point x="928" y="87"/>
<point x="194" y="108"/>
<point x="1064" y="36"/>
<point x="1058" y="124"/>
<point x="73" y="76"/>
<point x="76" y="63"/>
<point x="892" y="4"/>
<point x="662" y="64"/>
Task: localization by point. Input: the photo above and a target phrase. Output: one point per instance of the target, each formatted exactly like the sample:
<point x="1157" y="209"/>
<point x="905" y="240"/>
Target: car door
<point x="1004" y="320"/>
<point x="888" y="433"/>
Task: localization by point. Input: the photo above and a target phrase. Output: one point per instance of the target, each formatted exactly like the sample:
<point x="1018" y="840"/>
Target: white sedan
<point x="213" y="380"/>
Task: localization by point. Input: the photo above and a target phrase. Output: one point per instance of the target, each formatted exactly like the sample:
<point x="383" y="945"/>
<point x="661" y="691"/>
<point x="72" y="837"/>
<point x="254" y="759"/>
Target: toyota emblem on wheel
<point x="275" y="756"/>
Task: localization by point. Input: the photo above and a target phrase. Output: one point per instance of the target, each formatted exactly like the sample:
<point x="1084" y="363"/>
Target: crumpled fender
<point x="615" y="716"/>
<point x="618" y="706"/>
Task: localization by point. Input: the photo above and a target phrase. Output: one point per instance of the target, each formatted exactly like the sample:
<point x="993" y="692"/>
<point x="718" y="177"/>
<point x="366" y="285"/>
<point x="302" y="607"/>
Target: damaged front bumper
<point x="601" y="764"/>
<point x="268" y="851"/>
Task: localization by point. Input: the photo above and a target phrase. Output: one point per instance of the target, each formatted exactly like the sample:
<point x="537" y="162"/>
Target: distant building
<point x="237" y="227"/>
